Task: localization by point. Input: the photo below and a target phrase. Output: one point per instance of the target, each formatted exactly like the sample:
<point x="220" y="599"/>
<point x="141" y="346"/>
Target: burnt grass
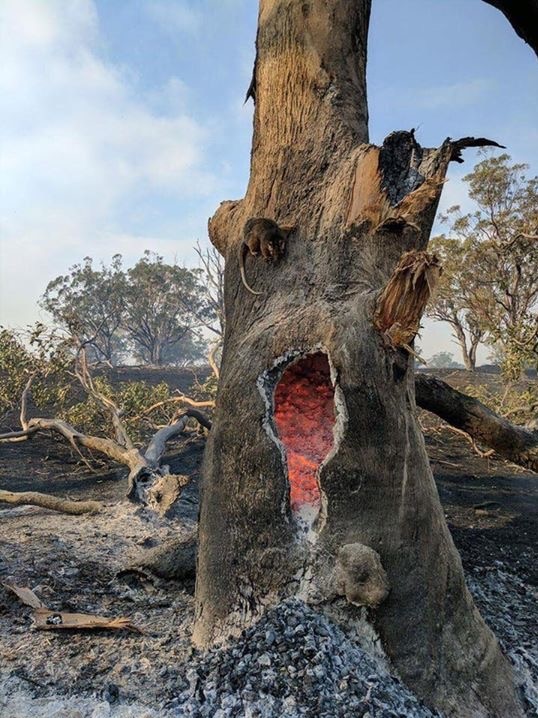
<point x="72" y="563"/>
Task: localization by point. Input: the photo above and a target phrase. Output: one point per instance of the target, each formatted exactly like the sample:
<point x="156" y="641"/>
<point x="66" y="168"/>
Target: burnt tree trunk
<point x="282" y="495"/>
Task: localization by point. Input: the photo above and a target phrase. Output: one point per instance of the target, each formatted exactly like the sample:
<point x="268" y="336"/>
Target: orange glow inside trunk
<point x="304" y="417"/>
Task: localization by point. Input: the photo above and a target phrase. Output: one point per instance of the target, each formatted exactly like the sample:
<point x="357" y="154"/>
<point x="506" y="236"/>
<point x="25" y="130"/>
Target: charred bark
<point x="512" y="442"/>
<point x="523" y="16"/>
<point x="276" y="509"/>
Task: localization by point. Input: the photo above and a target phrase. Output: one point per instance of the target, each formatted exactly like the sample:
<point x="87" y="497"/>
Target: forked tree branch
<point x="82" y="373"/>
<point x="144" y="466"/>
<point x="157" y="445"/>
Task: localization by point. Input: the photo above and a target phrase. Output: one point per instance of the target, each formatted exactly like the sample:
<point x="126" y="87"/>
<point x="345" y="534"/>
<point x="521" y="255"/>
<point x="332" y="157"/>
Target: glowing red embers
<point x="304" y="417"/>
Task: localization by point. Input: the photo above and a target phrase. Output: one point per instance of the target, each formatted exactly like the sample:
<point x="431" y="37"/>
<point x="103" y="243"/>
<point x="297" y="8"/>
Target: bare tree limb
<point x="211" y="358"/>
<point x="82" y="373"/>
<point x="14" y="437"/>
<point x="515" y="443"/>
<point x="157" y="445"/>
<point x="24" y="402"/>
<point x="46" y="501"/>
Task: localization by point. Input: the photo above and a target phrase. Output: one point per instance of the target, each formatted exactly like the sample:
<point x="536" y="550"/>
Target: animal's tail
<point x="242" y="269"/>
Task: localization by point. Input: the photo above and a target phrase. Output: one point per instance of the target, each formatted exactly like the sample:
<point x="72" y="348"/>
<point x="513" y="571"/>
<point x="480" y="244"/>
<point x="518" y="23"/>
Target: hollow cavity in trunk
<point x="305" y="418"/>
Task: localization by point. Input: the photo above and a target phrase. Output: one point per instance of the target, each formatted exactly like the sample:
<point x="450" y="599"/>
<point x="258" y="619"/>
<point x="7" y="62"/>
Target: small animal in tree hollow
<point x="263" y="237"/>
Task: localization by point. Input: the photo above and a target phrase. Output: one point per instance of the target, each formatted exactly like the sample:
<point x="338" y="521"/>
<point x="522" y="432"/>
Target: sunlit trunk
<point x="315" y="445"/>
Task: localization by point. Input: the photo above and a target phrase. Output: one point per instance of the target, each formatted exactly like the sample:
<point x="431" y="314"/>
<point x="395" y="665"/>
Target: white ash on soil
<point x="275" y="669"/>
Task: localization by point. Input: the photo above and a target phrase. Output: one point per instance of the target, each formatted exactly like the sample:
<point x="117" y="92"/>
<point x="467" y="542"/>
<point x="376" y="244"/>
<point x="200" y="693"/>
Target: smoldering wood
<point x="357" y="209"/>
<point x="512" y="442"/>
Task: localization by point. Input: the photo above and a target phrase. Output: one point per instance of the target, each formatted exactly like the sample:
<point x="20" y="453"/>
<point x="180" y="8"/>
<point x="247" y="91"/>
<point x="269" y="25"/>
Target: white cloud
<point x="77" y="146"/>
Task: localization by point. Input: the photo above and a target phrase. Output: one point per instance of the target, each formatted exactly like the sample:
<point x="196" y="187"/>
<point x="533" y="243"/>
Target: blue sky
<point x="123" y="125"/>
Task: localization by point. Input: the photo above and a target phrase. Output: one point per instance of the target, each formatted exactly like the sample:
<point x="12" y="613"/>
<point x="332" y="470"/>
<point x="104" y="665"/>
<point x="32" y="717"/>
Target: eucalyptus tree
<point x="316" y="480"/>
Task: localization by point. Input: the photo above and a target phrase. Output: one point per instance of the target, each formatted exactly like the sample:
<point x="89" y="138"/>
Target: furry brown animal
<point x="263" y="237"/>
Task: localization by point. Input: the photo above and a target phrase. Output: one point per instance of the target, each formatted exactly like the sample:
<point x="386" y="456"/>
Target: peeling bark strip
<point x="357" y="209"/>
<point x="512" y="442"/>
<point x="401" y="304"/>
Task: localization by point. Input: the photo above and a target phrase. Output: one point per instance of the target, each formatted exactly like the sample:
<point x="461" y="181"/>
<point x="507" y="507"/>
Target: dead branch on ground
<point x="518" y="444"/>
<point x="145" y="465"/>
<point x="46" y="501"/>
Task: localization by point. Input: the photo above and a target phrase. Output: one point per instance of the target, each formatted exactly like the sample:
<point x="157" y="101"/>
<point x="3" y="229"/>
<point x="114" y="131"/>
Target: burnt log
<point x="515" y="443"/>
<point x="315" y="444"/>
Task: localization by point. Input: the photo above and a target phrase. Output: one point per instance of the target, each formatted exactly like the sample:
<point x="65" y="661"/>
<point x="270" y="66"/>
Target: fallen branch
<point x="82" y="372"/>
<point x="46" y="501"/>
<point x="144" y="466"/>
<point x="14" y="437"/>
<point x="515" y="443"/>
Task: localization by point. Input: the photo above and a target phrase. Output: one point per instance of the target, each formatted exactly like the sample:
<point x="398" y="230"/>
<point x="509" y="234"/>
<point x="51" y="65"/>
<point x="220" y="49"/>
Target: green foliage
<point x="162" y="302"/>
<point x="38" y="352"/>
<point x="517" y="402"/>
<point x="88" y="304"/>
<point x="489" y="287"/>
<point x="152" y="311"/>
<point x="208" y="389"/>
<point x="16" y="365"/>
<point x="56" y="392"/>
<point x="134" y="398"/>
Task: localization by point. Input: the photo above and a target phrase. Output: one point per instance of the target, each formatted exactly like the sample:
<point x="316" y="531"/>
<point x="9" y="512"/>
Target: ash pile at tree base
<point x="293" y="662"/>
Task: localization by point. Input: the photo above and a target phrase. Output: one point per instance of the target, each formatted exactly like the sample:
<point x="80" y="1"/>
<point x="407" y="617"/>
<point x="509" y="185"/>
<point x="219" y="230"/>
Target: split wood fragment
<point x="47" y="619"/>
<point x="402" y="302"/>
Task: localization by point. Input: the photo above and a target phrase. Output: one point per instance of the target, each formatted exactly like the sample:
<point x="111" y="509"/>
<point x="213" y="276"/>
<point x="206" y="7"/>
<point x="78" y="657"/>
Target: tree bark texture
<point x="356" y="209"/>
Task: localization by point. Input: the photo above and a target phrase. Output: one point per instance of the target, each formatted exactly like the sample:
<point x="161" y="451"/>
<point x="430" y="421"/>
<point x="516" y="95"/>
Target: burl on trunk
<point x="316" y="479"/>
